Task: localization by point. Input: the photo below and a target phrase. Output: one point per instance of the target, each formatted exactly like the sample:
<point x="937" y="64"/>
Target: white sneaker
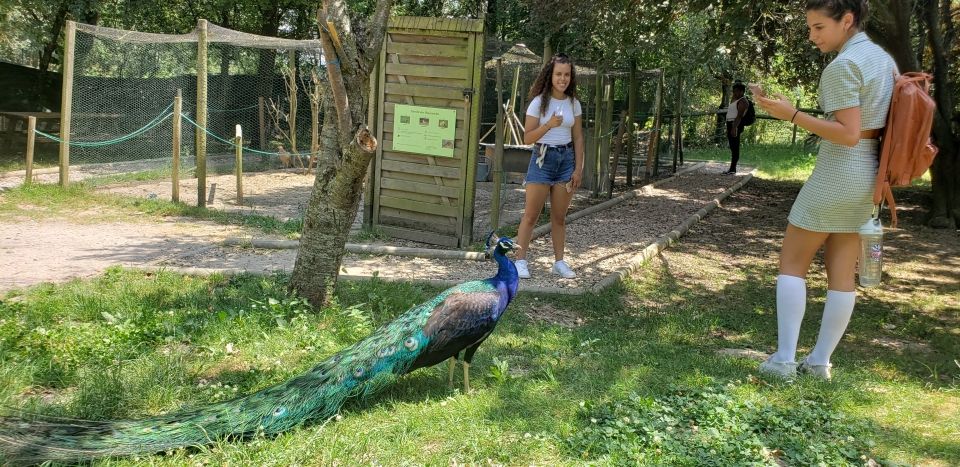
<point x="818" y="371"/>
<point x="786" y="370"/>
<point x="522" y="270"/>
<point x="563" y="269"/>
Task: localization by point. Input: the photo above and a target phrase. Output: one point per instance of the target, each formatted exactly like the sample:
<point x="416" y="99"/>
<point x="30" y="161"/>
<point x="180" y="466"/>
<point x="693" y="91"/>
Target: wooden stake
<point x="201" y="135"/>
<point x="31" y="138"/>
<point x="238" y="165"/>
<point x="177" y="127"/>
<point x="66" y="101"/>
<point x="263" y="123"/>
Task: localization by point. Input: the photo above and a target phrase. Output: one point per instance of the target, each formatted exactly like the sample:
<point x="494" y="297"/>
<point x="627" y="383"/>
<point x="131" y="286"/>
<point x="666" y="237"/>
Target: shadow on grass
<point x="659" y="330"/>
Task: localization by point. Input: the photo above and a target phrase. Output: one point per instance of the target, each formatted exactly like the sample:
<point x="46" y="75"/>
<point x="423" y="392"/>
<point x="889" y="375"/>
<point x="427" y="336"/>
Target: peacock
<point x="457" y="320"/>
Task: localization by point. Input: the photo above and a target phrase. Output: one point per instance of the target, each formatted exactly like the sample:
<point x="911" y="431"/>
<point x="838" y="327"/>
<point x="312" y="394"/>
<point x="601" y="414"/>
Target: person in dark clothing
<point x="735" y="112"/>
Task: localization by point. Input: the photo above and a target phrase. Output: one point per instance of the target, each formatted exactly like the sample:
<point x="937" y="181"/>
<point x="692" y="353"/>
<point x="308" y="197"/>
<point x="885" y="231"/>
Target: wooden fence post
<point x="263" y="128"/>
<point x="31" y="138"/>
<point x="66" y="101"/>
<point x="201" y="135"/>
<point x="239" y="165"/>
<point x="177" y="126"/>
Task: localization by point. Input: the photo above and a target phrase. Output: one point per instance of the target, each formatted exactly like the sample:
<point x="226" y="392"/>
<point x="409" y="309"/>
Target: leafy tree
<point x="41" y="22"/>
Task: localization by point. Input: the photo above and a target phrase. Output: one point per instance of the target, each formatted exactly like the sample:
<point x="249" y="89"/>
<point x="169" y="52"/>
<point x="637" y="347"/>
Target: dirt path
<point x="32" y="252"/>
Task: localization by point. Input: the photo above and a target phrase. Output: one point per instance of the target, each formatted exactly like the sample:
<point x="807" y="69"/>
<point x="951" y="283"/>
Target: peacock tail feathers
<point x="360" y="369"/>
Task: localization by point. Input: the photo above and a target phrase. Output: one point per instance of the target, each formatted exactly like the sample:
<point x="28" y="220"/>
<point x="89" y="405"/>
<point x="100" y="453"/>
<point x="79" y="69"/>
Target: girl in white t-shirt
<point x="553" y="125"/>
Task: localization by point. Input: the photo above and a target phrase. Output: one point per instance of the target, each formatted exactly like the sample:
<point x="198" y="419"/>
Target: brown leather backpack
<point x="906" y="150"/>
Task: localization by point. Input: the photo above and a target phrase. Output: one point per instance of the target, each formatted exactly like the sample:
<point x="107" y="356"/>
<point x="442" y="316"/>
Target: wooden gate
<point x="434" y="63"/>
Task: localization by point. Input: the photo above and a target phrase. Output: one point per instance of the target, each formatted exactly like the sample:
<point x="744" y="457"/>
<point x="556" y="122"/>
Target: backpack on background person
<point x="906" y="149"/>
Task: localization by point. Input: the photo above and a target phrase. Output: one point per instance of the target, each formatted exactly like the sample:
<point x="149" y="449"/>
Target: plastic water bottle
<point x="871" y="252"/>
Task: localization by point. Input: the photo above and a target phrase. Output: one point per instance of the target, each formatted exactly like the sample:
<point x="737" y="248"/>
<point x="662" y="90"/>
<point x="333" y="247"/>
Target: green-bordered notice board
<point x="424" y="130"/>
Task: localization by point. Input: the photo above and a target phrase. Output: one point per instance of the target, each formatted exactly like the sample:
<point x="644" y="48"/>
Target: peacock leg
<point x="452" y="365"/>
<point x="467" y="358"/>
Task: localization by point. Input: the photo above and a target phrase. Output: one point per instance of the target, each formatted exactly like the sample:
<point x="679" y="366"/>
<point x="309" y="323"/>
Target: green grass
<point x="636" y="381"/>
<point x="129" y="344"/>
<point x="44" y="201"/>
<point x="777" y="162"/>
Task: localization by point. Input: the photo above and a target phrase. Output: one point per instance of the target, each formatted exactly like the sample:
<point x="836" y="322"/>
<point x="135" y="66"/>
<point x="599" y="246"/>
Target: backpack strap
<point x="888" y="198"/>
<point x="882" y="191"/>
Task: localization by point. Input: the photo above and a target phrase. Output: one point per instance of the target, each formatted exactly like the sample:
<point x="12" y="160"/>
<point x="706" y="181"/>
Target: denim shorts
<point x="558" y="165"/>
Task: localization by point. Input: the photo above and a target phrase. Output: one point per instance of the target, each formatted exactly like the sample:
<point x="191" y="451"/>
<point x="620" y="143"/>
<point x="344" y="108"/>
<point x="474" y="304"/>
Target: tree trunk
<point x="889" y="27"/>
<point x="720" y="123"/>
<point x="547" y="49"/>
<point x="267" y="62"/>
<point x="330" y="213"/>
<point x="56" y="28"/>
<point x="945" y="172"/>
<point x="346" y="149"/>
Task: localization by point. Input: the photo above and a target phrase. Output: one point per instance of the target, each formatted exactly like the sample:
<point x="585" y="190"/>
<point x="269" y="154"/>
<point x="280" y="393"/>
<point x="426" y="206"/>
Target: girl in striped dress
<point x="855" y="92"/>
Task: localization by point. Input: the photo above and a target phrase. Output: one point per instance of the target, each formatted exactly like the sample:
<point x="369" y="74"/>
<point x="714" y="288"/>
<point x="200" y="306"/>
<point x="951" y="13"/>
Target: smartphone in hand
<point x="757" y="90"/>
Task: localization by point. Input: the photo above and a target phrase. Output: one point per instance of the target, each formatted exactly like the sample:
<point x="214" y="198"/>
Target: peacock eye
<point x="358" y="372"/>
<point x="411" y="343"/>
<point x="279" y="412"/>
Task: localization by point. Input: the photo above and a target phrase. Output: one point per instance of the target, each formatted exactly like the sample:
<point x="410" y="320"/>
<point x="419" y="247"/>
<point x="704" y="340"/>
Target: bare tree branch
<point x="339" y="92"/>
<point x="377" y="31"/>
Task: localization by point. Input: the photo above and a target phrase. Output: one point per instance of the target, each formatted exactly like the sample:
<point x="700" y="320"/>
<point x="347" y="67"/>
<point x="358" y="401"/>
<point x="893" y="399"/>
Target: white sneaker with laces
<point x="562" y="269"/>
<point x="522" y="270"/>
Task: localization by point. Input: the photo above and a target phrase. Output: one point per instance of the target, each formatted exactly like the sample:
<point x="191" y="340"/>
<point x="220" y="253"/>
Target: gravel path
<point x="597" y="245"/>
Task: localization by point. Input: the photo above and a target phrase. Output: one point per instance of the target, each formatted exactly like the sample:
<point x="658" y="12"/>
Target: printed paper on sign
<point x="424" y="130"/>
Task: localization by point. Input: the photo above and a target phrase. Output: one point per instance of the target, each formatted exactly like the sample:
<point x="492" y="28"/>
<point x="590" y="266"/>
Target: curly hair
<point x="543" y="85"/>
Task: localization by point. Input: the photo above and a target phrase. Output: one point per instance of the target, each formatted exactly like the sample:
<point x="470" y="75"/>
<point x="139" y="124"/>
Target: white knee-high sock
<point x="791" y="304"/>
<point x="836" y="316"/>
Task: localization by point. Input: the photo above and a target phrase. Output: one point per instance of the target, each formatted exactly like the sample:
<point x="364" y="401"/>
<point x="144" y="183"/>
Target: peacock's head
<point x="501" y="244"/>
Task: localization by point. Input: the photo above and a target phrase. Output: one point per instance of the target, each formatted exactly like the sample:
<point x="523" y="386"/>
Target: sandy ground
<point x="33" y="251"/>
<point x="596" y="245"/>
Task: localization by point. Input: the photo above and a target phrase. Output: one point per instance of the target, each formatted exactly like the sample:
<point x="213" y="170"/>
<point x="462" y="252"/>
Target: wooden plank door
<point x="429" y="62"/>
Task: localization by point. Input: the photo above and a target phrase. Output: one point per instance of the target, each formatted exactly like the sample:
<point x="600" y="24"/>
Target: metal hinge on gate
<point x="468" y="95"/>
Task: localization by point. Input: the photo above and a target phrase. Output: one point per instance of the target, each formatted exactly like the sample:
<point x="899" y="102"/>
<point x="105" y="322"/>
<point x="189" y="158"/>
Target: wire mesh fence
<point x="121" y="114"/>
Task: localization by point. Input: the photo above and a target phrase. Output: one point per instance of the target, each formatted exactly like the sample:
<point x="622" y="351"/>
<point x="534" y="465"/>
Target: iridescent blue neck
<point x="506" y="271"/>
